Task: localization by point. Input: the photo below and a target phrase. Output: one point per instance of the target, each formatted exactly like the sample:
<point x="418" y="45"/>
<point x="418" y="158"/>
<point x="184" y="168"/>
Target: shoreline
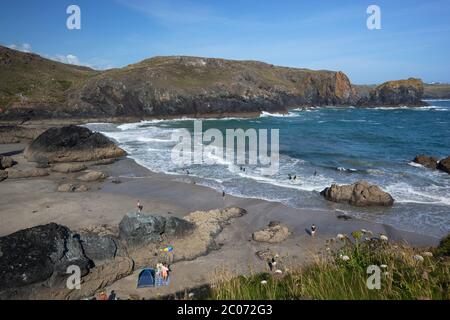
<point x="35" y="201"/>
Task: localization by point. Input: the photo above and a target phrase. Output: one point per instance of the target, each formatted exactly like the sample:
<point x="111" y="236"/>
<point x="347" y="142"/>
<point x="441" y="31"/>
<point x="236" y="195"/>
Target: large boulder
<point x="139" y="229"/>
<point x="6" y="162"/>
<point x="360" y="194"/>
<point x="39" y="254"/>
<point x="444" y="165"/>
<point x="426" y="161"/>
<point x="70" y="187"/>
<point x="71" y="144"/>
<point x="275" y="232"/>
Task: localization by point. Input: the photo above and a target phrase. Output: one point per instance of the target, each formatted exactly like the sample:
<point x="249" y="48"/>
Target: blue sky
<point x="414" y="39"/>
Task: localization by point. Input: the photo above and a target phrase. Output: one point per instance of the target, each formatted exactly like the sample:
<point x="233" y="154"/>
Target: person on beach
<point x="164" y="272"/>
<point x="289" y="176"/>
<point x="272" y="264"/>
<point x="139" y="207"/>
<point x="313" y="230"/>
<point x="103" y="296"/>
<point x="223" y="194"/>
<point x="315" y="173"/>
<point x="112" y="295"/>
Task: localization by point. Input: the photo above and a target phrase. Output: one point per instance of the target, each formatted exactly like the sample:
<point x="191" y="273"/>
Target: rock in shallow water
<point x="360" y="194"/>
<point x="444" y="165"/>
<point x="71" y="144"/>
<point x="426" y="161"/>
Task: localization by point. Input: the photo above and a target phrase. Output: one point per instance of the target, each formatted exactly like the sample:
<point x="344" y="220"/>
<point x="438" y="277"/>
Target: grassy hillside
<point x="437" y="91"/>
<point x="28" y="79"/>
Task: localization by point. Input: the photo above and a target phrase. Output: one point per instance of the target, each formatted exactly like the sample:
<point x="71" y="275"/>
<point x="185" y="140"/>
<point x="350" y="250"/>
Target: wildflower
<point x="427" y="254"/>
<point x="367" y="238"/>
<point x="383" y="266"/>
<point x="278" y="271"/>
<point x="386" y="273"/>
<point x="383" y="237"/>
<point x="191" y="295"/>
<point x="418" y="258"/>
<point x="345" y="258"/>
<point x="363" y="230"/>
<point x="264" y="282"/>
<point x="340" y="236"/>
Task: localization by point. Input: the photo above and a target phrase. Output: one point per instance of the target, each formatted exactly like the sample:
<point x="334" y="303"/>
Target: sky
<point x="413" y="40"/>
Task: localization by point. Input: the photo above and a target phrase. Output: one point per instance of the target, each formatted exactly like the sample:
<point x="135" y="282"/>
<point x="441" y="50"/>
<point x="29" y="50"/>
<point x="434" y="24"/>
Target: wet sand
<point x="29" y="202"/>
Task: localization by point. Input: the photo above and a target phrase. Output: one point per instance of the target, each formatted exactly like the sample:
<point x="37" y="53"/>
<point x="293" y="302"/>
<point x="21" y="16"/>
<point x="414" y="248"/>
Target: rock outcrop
<point x="395" y="93"/>
<point x="275" y="232"/>
<point x="444" y="165"/>
<point x="140" y="229"/>
<point x="28" y="173"/>
<point x="38" y="254"/>
<point x="360" y="194"/>
<point x="92" y="176"/>
<point x="426" y="161"/>
<point x="71" y="144"/>
<point x="70" y="187"/>
<point x="69" y="167"/>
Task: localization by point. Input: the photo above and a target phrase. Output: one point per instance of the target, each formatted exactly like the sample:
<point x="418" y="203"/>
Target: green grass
<point x="330" y="277"/>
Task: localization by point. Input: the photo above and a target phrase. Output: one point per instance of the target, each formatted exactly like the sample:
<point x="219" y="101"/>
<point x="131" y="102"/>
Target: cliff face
<point x="32" y="87"/>
<point x="166" y="86"/>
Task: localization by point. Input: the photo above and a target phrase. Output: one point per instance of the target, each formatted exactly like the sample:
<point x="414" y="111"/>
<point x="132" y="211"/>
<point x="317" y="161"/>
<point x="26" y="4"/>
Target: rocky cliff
<point x="32" y="87"/>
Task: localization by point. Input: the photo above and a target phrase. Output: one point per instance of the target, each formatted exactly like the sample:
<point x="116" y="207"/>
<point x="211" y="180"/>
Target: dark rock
<point x="71" y="144"/>
<point x="6" y="162"/>
<point x="360" y="194"/>
<point x="3" y="175"/>
<point x="426" y="161"/>
<point x="444" y="165"/>
<point x="97" y="247"/>
<point x="38" y="254"/>
<point x="139" y="229"/>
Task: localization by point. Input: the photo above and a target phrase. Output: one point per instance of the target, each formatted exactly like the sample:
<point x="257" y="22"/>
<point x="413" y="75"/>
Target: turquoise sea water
<point x="322" y="146"/>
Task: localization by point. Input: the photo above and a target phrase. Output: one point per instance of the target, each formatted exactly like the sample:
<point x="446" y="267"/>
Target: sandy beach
<point x="30" y="202"/>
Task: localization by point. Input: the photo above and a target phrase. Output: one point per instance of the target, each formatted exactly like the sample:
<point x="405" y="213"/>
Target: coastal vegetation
<point x="341" y="272"/>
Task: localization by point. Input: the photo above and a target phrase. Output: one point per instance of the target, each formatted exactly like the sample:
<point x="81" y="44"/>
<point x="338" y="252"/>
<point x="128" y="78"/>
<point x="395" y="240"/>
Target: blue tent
<point x="146" y="278"/>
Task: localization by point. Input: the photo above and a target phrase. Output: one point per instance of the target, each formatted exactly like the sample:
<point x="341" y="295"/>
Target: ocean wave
<point x="265" y="114"/>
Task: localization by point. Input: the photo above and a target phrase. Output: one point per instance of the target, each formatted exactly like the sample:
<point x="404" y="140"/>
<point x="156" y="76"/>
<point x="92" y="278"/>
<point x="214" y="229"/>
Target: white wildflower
<point x="278" y="271"/>
<point x="264" y="282"/>
<point x="363" y="230"/>
<point x="345" y="258"/>
<point x="383" y="266"/>
<point x="427" y="254"/>
<point x="383" y="237"/>
<point x="340" y="236"/>
<point x="191" y="295"/>
<point x="418" y="258"/>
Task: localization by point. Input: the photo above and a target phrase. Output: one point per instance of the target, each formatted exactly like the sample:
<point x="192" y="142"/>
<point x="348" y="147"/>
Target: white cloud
<point x="69" y="59"/>
<point x="24" y="47"/>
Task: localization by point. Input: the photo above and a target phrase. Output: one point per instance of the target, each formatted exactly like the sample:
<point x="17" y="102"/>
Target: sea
<point x="321" y="146"/>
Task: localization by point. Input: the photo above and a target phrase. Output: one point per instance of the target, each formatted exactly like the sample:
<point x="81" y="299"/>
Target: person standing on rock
<point x="139" y="207"/>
